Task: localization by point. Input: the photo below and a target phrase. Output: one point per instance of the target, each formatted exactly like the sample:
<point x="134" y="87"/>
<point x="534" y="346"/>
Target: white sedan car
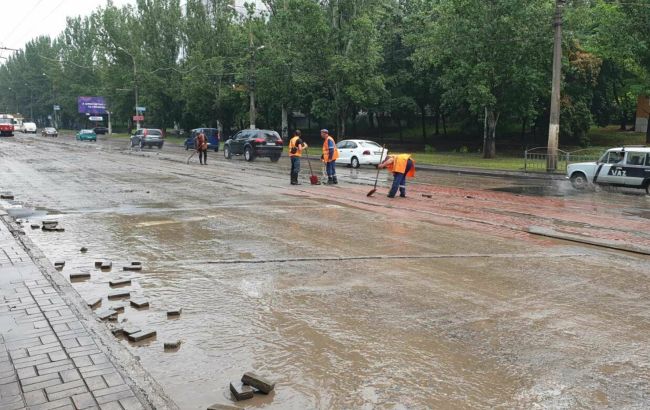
<point x="29" y="127"/>
<point x="359" y="152"/>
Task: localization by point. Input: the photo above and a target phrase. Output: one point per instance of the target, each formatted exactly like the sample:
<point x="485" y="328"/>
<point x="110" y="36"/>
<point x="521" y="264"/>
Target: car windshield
<point x="5" y="121"/>
<point x="50" y="129"/>
<point x="86" y="132"/>
<point x="154" y="132"/>
<point x="371" y="144"/>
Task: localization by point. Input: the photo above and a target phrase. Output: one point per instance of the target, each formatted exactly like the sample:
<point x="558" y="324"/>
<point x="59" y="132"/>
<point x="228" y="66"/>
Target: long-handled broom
<point x="381" y="158"/>
<point x="313" y="179"/>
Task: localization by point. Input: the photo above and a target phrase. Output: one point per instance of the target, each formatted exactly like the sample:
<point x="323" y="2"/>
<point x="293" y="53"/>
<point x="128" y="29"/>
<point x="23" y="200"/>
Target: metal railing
<point x="537" y="159"/>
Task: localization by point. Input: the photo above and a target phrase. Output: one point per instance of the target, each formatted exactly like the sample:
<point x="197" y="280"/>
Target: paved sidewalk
<point x="48" y="359"/>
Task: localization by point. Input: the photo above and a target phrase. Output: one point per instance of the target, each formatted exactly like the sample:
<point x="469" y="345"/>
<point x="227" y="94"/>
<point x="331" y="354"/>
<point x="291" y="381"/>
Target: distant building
<point x="642" y="113"/>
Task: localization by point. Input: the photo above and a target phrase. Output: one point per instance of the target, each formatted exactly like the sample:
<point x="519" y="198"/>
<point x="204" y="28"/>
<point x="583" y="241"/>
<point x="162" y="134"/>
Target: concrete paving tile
<point x="113" y="379"/>
<point x="38" y="379"/>
<point x="69" y="375"/>
<point x="84" y="401"/>
<point x="64" y="386"/>
<point x="96" y="382"/>
<point x="27" y="372"/>
<point x="114" y="396"/>
<point x="42" y="385"/>
<point x="112" y="405"/>
<point x="131" y="403"/>
<point x="64" y="403"/>
<point x="35" y="397"/>
<point x="58" y="355"/>
<point x="67" y="393"/>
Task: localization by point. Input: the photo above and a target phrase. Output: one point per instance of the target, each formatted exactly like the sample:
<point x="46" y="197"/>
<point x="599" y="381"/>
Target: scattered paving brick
<point x="136" y="263"/>
<point x="79" y="276"/>
<point x="7" y="196"/>
<point x="119" y="294"/>
<point x="48" y="229"/>
<point x="174" y="312"/>
<point x="106" y="265"/>
<point x="241" y="391"/>
<point x="94" y="302"/>
<point x="260" y="383"/>
<point x="130" y="329"/>
<point x="98" y="264"/>
<point x="34" y="226"/>
<point x="107" y="314"/>
<point x="84" y="401"/>
<point x="220" y="406"/>
<point x="118" y="308"/>
<point x="83" y="249"/>
<point x="141" y="335"/>
<point x="139" y="303"/>
<point x="132" y="268"/>
<point x="172" y="344"/>
<point x="119" y="282"/>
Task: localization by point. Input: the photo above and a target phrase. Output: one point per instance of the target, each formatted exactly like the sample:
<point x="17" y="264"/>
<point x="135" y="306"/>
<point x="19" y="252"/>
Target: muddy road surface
<point x="439" y="300"/>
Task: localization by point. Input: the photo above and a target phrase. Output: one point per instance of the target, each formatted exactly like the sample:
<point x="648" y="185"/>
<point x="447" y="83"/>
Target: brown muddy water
<point x="477" y="317"/>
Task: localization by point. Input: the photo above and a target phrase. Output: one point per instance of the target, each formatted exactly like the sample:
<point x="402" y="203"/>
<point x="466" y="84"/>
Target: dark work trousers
<point x="203" y="156"/>
<point x="295" y="167"/>
<point x="331" y="169"/>
<point x="399" y="181"/>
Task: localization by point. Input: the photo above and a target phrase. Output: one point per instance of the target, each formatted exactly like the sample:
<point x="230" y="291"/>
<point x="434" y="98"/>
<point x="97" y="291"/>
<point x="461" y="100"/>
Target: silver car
<point x="148" y="137"/>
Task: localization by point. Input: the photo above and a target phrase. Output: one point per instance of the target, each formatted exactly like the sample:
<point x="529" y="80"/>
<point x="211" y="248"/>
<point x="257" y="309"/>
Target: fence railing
<point x="537" y="159"/>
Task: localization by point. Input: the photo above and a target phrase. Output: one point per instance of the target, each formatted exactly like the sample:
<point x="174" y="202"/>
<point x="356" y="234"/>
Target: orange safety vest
<point x="326" y="150"/>
<point x="399" y="165"/>
<point x="292" y="145"/>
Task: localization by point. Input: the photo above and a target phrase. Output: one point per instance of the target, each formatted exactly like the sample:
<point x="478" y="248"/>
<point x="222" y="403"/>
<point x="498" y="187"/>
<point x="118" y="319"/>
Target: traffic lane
<point x="492" y="319"/>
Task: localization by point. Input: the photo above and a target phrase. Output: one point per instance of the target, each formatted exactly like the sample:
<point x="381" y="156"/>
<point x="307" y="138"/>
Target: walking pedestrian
<point x="296" y="145"/>
<point x="402" y="166"/>
<point x="329" y="157"/>
<point x="201" y="144"/>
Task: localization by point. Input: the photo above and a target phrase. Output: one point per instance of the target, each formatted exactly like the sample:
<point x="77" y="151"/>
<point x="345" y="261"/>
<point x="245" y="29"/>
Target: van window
<point x="635" y="158"/>
<point x="615" y="157"/>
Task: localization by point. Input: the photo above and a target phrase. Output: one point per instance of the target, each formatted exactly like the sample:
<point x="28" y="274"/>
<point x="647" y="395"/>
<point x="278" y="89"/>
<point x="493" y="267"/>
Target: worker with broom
<point x="329" y="157"/>
<point x="296" y="145"/>
<point x="201" y="145"/>
<point x="402" y="166"/>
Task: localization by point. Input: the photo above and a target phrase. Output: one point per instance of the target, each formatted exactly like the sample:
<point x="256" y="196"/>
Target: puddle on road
<point x="534" y="190"/>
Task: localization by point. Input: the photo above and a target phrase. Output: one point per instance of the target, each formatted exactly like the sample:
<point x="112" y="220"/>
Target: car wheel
<point x="579" y="180"/>
<point x="275" y="158"/>
<point x="647" y="186"/>
<point x="248" y="153"/>
<point x="354" y="163"/>
<point x="226" y="152"/>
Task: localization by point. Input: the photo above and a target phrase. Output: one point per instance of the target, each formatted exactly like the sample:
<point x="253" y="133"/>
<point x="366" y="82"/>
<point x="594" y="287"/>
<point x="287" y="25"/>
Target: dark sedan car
<point x="212" y="134"/>
<point x="49" y="132"/>
<point x="100" y="130"/>
<point x="254" y="143"/>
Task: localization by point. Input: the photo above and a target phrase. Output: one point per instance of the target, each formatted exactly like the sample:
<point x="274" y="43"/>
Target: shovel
<point x="373" y="190"/>
<point x="312" y="178"/>
<point x="190" y="157"/>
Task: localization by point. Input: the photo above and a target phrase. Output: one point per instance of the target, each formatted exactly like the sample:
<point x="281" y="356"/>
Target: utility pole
<point x="251" y="85"/>
<point x="554" y="121"/>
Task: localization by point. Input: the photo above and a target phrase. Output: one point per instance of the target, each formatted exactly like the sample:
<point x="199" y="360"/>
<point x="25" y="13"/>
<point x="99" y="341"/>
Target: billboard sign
<point x="91" y="105"/>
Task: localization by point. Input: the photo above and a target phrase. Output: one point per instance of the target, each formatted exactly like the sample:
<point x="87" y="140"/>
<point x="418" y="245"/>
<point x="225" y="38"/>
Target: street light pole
<point x="251" y="85"/>
<point x="554" y="120"/>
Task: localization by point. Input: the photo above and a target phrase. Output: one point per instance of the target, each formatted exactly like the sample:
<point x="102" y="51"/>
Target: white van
<point x="29" y="127"/>
<point x="624" y="166"/>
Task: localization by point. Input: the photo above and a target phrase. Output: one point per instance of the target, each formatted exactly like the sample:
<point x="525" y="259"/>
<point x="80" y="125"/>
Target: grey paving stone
<point x="106" y="314"/>
<point x="64" y="403"/>
<point x="132" y="268"/>
<point x="141" y="335"/>
<point x="43" y="349"/>
<point x="18" y="353"/>
<point x="85" y="341"/>
<point x="171" y="345"/>
<point x="260" y="383"/>
<point x="9" y="389"/>
<point x="139" y="302"/>
<point x="99" y="358"/>
<point x="87" y="351"/>
<point x="42" y="385"/>
<point x="39" y="379"/>
<point x="114" y="396"/>
<point x="35" y="397"/>
<point x="69" y="375"/>
<point x="56" y="356"/>
<point x="84" y="401"/>
<point x="131" y="403"/>
<point x="173" y="312"/>
<point x="68" y="343"/>
<point x="111" y="405"/>
<point x="93" y="303"/>
<point x="33" y="361"/>
<point x="119" y="282"/>
<point x="50" y="338"/>
<point x="111" y="390"/>
<point x="56" y="369"/>
<point x="113" y="379"/>
<point x="79" y="276"/>
<point x="64" y="386"/>
<point x="119" y="294"/>
<point x="8" y="379"/>
<point x="82" y="361"/>
<point x="241" y="391"/>
<point x="96" y="382"/>
<point x="67" y="393"/>
<point x="27" y="372"/>
<point x="96" y="369"/>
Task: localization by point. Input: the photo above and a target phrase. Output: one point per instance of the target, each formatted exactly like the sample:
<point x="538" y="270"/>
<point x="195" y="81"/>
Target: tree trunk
<point x="489" y="146"/>
<point x="437" y="119"/>
<point x="444" y="124"/>
<point x="340" y="132"/>
<point x="285" y="124"/>
<point x="524" y="124"/>
<point x="424" y="123"/>
<point x="399" y="127"/>
<point x="647" y="131"/>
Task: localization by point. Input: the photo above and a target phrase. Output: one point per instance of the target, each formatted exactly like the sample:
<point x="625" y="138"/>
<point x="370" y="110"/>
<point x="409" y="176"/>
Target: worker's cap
<point x="325" y="131"/>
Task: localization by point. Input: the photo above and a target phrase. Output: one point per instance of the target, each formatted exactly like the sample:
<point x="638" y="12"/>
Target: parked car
<point x="49" y="132"/>
<point x="29" y="127"/>
<point x="86" y="135"/>
<point x="100" y="130"/>
<point x="359" y="152"/>
<point x="625" y="166"/>
<point x="148" y="137"/>
<point x="254" y="143"/>
<point x="6" y="125"/>
<point x="212" y="134"/>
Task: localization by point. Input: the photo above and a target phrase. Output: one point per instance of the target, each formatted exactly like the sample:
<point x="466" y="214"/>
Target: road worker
<point x="402" y="166"/>
<point x="329" y="157"/>
<point x="201" y="145"/>
<point x="296" y="145"/>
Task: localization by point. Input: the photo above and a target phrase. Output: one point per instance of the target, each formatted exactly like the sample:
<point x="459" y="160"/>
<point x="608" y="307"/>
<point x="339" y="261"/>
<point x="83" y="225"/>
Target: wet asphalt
<point x="439" y="300"/>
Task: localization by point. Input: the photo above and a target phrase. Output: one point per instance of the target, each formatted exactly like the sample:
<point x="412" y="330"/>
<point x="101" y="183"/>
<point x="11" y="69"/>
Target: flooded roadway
<point x="349" y="301"/>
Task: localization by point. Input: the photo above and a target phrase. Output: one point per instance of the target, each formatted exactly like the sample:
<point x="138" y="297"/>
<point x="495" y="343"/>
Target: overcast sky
<point x="22" y="20"/>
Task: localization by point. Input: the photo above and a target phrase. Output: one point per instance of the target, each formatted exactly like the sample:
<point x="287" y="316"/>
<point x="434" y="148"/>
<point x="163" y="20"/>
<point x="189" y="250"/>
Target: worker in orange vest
<point x="201" y="145"/>
<point x="330" y="155"/>
<point x="402" y="166"/>
<point x="296" y="145"/>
